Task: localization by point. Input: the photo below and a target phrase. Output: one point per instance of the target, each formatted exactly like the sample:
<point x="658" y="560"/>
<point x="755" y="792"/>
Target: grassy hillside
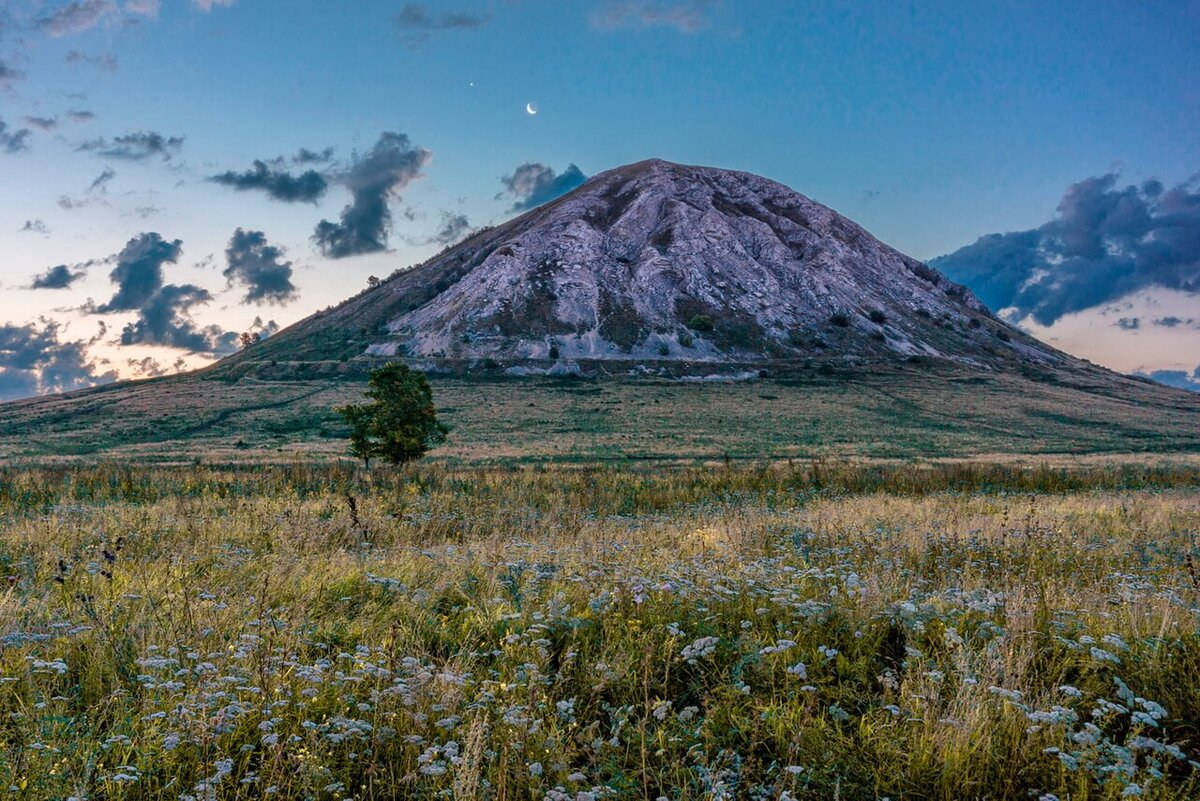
<point x="899" y="412"/>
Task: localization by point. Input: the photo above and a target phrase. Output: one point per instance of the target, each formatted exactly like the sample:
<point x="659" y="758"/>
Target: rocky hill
<point x="664" y="265"/>
<point x="657" y="283"/>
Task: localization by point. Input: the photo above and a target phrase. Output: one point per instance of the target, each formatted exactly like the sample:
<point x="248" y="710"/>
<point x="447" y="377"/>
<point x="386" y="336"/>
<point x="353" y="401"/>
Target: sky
<point x="174" y="173"/>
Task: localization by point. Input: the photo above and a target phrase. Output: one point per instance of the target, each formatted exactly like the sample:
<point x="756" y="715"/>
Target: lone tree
<point x="399" y="425"/>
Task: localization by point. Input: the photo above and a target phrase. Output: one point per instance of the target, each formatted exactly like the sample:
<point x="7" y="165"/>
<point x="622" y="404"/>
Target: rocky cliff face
<point x="660" y="262"/>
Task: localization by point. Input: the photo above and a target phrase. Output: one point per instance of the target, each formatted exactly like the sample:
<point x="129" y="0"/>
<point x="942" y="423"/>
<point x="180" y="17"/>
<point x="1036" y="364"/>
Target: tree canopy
<point x="400" y="423"/>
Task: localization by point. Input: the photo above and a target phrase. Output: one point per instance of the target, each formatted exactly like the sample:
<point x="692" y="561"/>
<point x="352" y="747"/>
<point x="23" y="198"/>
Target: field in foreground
<point x="852" y="633"/>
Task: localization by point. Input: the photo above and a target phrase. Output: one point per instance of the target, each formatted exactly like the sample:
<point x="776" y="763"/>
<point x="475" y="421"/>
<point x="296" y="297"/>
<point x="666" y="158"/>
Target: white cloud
<point x="208" y="5"/>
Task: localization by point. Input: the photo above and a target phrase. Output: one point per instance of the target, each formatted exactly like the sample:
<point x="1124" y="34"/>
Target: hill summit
<point x="658" y="262"/>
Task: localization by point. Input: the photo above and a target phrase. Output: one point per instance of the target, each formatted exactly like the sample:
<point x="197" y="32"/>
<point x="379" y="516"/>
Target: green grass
<point x="815" y="632"/>
<point x="897" y="412"/>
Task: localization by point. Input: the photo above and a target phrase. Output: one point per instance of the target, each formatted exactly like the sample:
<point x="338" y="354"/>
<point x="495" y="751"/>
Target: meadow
<point x="883" y="411"/>
<point x="817" y="631"/>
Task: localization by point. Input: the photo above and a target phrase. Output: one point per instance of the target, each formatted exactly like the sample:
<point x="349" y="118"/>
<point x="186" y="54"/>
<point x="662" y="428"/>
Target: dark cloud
<point x="75" y="17"/>
<point x="452" y="228"/>
<point x="42" y="123"/>
<point x="34" y="361"/>
<point x="35" y="227"/>
<point x="101" y="182"/>
<point x="685" y="16"/>
<point x="307" y="187"/>
<point x="144" y="212"/>
<point x="98" y="187"/>
<point x="1175" y="378"/>
<point x="260" y="267"/>
<point x="416" y="15"/>
<point x="107" y="61"/>
<point x="165" y="319"/>
<point x="1104" y="243"/>
<point x="81" y="115"/>
<point x="1173" y="321"/>
<point x="137" y="146"/>
<point x="139" y="271"/>
<point x="13" y="141"/>
<point x="149" y="367"/>
<point x="58" y="277"/>
<point x="306" y="156"/>
<point x="1130" y="323"/>
<point x="533" y="184"/>
<point x="8" y="75"/>
<point x="68" y="203"/>
<point x="417" y="21"/>
<point x="146" y="367"/>
<point x="389" y="166"/>
<point x="163" y="310"/>
<point x="264" y="329"/>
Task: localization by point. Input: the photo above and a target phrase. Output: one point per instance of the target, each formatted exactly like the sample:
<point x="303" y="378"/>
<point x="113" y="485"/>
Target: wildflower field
<point x="810" y="632"/>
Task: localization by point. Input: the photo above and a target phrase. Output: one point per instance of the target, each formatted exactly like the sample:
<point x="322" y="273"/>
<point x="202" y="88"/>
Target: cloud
<point x="107" y="62"/>
<point x="1175" y="378"/>
<point x="75" y="17"/>
<point x="139" y="271"/>
<point x="165" y="319"/>
<point x="1104" y="243"/>
<point x="1129" y="323"/>
<point x="533" y="184"/>
<point x="163" y="309"/>
<point x="208" y="5"/>
<point x="144" y="212"/>
<point x="13" y="141"/>
<point x="264" y="329"/>
<point x="68" y="203"/>
<point x="8" y="75"/>
<point x="34" y="360"/>
<point x="416" y="19"/>
<point x="307" y="187"/>
<point x="306" y="156"/>
<point x="81" y="116"/>
<point x="452" y="228"/>
<point x="147" y="8"/>
<point x="260" y="267"/>
<point x="99" y="186"/>
<point x="35" y="227"/>
<point x="388" y="167"/>
<point x="147" y="367"/>
<point x="1173" y="321"/>
<point x="137" y="146"/>
<point x="685" y="16"/>
<point x="58" y="277"/>
<point x="42" y="123"/>
<point x="101" y="182"/>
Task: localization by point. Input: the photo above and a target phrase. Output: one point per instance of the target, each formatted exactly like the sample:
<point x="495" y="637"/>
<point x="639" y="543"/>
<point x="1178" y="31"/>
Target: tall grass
<point x="827" y="632"/>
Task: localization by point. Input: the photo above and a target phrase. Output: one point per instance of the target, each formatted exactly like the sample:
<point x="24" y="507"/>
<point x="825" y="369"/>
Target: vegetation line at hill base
<point x="603" y="487"/>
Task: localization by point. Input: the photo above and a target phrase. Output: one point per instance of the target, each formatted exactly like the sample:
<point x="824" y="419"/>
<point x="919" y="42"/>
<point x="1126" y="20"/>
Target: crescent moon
<point x="530" y="109"/>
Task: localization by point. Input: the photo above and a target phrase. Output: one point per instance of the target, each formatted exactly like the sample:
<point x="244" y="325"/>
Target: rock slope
<point x="660" y="262"/>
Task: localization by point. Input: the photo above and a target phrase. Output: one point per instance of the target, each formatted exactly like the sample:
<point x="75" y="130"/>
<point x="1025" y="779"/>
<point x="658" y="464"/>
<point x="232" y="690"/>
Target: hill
<point x="658" y="311"/>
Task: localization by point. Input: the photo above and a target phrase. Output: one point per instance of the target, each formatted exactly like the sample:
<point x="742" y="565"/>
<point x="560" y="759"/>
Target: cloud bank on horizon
<point x="1105" y="243"/>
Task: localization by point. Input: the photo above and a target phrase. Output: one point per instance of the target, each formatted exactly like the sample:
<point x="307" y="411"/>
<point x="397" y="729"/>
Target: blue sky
<point x="930" y="123"/>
